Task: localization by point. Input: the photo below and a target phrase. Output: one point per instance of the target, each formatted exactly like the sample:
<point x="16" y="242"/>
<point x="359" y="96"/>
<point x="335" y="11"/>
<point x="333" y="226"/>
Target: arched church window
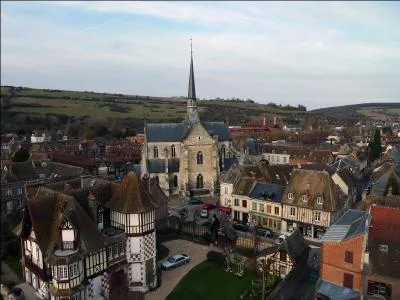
<point x="175" y="181"/>
<point x="199" y="183"/>
<point x="173" y="154"/>
<point x="155" y="152"/>
<point x="199" y="158"/>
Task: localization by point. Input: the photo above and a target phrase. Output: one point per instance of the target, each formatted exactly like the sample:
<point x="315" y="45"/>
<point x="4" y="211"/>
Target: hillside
<point x="363" y="112"/>
<point x="34" y="108"/>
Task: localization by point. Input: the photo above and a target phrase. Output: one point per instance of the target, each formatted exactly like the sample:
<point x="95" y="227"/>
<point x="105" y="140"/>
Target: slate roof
<point x="384" y="230"/>
<point x="272" y="192"/>
<point x="156" y="165"/>
<point x="380" y="183"/>
<point x="348" y="177"/>
<point x="253" y="147"/>
<point x="229" y="163"/>
<point x="336" y="292"/>
<point x="244" y="186"/>
<point x="352" y="223"/>
<point x="173" y="132"/>
<point x="131" y="196"/>
<point x="173" y="165"/>
<point x="314" y="184"/>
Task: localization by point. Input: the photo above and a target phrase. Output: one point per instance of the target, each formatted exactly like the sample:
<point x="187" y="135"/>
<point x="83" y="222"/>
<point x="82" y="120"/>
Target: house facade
<point x="186" y="157"/>
<point x="311" y="203"/>
<point x="90" y="239"/>
<point x="343" y="247"/>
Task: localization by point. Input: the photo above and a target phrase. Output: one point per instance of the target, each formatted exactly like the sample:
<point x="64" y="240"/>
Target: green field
<point x="209" y="280"/>
<point x="379" y="113"/>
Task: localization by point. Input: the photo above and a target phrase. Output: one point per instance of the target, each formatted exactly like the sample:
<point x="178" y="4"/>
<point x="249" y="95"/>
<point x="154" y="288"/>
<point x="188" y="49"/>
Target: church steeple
<point x="192" y="87"/>
<point x="191" y="116"/>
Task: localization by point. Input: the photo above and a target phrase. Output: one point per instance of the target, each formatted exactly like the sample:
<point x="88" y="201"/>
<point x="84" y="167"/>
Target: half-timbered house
<point x="89" y="239"/>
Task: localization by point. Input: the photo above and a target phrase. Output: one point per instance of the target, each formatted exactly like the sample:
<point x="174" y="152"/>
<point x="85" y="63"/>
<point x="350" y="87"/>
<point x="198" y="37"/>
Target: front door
<point x="118" y="285"/>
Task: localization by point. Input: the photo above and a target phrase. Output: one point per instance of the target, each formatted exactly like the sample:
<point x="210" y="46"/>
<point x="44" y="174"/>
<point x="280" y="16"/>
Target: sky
<point x="313" y="53"/>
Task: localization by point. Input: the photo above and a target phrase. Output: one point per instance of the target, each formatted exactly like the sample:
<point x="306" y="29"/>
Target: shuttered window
<point x="348" y="257"/>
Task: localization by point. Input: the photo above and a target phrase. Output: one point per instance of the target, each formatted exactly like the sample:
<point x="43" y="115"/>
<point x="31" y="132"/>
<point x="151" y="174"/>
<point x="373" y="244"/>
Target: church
<point x="186" y="158"/>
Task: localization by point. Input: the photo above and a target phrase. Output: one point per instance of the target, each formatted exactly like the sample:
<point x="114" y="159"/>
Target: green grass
<point x="209" y="281"/>
<point x="15" y="265"/>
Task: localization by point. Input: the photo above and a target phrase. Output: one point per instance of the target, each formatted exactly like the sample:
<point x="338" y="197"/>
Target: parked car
<point x="206" y="223"/>
<point x="264" y="232"/>
<point x="175" y="261"/>
<point x="281" y="239"/>
<point x="195" y="202"/>
<point x="205" y="209"/>
<point x="241" y="227"/>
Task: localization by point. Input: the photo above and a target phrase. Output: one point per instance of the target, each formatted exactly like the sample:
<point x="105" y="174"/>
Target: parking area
<point x="197" y="253"/>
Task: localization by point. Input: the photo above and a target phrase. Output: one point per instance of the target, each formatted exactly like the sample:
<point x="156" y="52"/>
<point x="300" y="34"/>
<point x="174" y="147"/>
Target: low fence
<point x="173" y="228"/>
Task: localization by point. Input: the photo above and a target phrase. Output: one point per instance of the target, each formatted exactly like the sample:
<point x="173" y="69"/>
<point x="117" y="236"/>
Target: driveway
<point x="169" y="279"/>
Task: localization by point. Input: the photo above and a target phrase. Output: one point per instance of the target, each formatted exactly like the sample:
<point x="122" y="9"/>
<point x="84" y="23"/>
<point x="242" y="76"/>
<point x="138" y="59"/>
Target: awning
<point x="225" y="209"/>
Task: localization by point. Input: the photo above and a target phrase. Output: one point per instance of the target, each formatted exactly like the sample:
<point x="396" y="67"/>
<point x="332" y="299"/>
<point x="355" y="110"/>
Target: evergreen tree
<point x="392" y="183"/>
<point x="375" y="147"/>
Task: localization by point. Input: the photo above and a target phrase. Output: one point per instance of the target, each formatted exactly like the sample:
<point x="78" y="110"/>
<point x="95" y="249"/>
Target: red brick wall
<point x="333" y="265"/>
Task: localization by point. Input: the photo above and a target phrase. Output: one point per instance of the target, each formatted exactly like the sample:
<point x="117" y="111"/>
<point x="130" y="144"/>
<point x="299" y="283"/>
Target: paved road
<point x="197" y="253"/>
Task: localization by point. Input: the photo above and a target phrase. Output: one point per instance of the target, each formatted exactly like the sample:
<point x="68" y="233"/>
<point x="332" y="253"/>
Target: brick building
<point x="342" y="256"/>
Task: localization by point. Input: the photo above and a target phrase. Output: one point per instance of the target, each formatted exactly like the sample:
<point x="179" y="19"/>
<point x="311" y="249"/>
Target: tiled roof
<point x="131" y="196"/>
<point x="273" y="192"/>
<point x="352" y="223"/>
<point x="49" y="209"/>
<point x="314" y="184"/>
<point x="230" y="162"/>
<point x="173" y="132"/>
<point x="384" y="230"/>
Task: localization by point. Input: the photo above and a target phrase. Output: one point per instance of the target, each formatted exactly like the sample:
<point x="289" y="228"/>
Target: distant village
<point x="317" y="213"/>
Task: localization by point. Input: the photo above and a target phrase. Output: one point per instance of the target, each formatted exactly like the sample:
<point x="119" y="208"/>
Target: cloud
<point x="306" y="53"/>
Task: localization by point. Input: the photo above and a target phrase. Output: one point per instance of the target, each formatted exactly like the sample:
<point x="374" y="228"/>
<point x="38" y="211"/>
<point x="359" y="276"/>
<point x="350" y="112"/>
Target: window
<point x="268" y="209"/>
<point x="175" y="181"/>
<point x="254" y="206"/>
<point x="62" y="272"/>
<point x="244" y="203"/>
<point x="290" y="196"/>
<point x="379" y="288"/>
<point x="121" y="248"/>
<point x="276" y="210"/>
<point x="9" y="192"/>
<point x="261" y="207"/>
<point x="348" y="280"/>
<point x="199" y="183"/>
<point x="348" y="257"/>
<point x="236" y="202"/>
<point x="317" y="216"/>
<point x="383" y="248"/>
<point x="73" y="270"/>
<point x="173" y="154"/>
<point x="319" y="200"/>
<point x="155" y="152"/>
<point x="304" y="198"/>
<point x="226" y="190"/>
<point x="199" y="158"/>
<point x="285" y="159"/>
<point x="115" y="250"/>
<point x="223" y="152"/>
<point x="293" y="211"/>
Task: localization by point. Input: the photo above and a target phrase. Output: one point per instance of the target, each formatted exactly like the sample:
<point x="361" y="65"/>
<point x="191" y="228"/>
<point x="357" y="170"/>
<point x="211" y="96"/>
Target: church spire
<point x="191" y="116"/>
<point x="192" y="87"/>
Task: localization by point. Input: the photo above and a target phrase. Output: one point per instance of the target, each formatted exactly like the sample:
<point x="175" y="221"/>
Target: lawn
<point x="209" y="281"/>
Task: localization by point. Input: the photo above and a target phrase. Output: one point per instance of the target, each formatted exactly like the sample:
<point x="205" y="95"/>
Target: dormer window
<point x="290" y="196"/>
<point x="68" y="236"/>
<point x="319" y="200"/>
<point x="383" y="248"/>
<point x="304" y="198"/>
